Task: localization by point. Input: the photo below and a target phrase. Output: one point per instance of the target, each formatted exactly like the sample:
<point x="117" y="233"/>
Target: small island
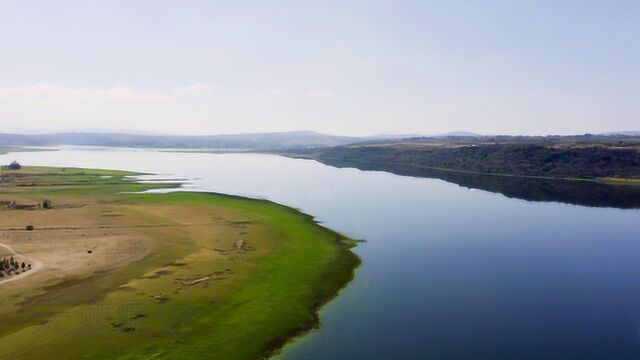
<point x="105" y="270"/>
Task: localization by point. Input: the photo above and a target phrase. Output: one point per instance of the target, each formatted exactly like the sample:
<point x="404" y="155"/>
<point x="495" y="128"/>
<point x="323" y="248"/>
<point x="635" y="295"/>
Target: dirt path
<point x="35" y="265"/>
<point x="101" y="227"/>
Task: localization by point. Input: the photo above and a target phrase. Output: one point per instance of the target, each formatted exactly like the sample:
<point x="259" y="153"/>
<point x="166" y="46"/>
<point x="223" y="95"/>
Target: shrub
<point x="14" y="166"/>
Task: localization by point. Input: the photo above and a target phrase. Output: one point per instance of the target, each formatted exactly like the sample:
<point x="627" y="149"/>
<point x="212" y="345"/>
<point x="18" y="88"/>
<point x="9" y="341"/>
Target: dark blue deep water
<point x="448" y="272"/>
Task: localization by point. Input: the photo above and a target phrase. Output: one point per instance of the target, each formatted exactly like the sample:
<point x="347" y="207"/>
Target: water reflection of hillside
<point x="584" y="193"/>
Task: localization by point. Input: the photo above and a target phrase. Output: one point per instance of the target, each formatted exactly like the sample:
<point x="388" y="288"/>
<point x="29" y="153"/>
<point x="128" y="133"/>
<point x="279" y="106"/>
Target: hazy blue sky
<point x="347" y="67"/>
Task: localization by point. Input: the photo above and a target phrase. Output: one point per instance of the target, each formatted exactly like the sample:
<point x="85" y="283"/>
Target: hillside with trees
<point x="556" y="158"/>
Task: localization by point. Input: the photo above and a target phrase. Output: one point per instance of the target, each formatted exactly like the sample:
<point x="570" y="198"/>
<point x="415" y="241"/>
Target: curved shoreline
<point x="296" y="267"/>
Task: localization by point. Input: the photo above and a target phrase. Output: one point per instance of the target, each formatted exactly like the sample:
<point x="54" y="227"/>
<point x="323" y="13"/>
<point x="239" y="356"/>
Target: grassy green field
<point x="203" y="276"/>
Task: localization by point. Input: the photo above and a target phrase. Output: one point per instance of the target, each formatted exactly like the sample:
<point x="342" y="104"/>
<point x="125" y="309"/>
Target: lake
<point x="449" y="271"/>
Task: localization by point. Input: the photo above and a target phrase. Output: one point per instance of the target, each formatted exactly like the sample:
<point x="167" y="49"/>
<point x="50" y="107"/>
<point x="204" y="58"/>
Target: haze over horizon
<point x="136" y="132"/>
<point x="357" y="69"/>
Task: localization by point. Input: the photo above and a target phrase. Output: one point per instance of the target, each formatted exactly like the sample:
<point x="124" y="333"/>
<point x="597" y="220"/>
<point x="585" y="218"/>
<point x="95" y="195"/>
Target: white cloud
<point x="191" y="109"/>
<point x="194" y="88"/>
<point x="363" y="65"/>
<point x="52" y="106"/>
<point x="320" y="93"/>
<point x="274" y="92"/>
<point x="31" y="89"/>
<point x="43" y="93"/>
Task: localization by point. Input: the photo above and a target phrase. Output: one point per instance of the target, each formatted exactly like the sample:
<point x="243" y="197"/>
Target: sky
<point x="342" y="67"/>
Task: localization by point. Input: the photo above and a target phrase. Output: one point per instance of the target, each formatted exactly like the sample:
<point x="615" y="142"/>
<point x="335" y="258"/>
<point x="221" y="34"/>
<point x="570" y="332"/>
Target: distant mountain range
<point x="255" y="141"/>
<point x="275" y="141"/>
<point x="624" y="133"/>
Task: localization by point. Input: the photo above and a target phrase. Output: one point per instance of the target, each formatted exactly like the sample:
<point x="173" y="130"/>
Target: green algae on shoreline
<point x="253" y="299"/>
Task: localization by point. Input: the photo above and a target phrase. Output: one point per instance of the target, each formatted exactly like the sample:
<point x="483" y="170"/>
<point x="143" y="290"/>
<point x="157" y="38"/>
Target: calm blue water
<point x="448" y="272"/>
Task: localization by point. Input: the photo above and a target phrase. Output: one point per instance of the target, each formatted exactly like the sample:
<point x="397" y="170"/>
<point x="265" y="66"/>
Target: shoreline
<point x="338" y="272"/>
<point x="609" y="180"/>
